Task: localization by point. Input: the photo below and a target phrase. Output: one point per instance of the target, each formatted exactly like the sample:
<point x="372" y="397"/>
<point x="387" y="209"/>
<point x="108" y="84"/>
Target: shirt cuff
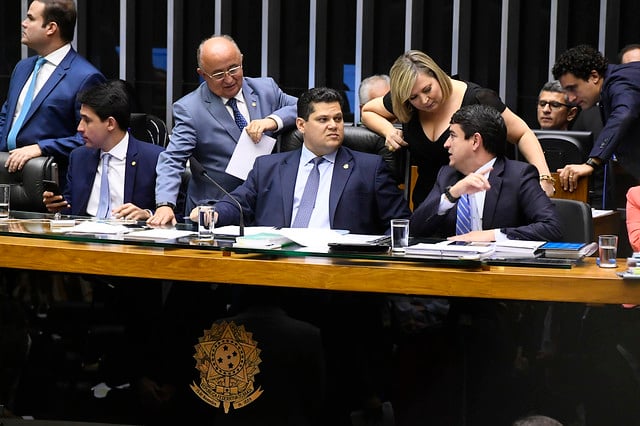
<point x="278" y="121"/>
<point x="499" y="235"/>
<point x="445" y="205"/>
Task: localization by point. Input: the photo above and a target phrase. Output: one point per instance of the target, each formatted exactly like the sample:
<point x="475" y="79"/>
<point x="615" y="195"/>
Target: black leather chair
<point x="26" y="184"/>
<point x="358" y="139"/>
<point x="576" y="220"/>
<point x="149" y="128"/>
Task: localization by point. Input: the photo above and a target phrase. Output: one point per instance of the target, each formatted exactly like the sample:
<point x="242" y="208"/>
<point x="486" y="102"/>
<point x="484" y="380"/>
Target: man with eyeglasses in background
<point x="209" y="121"/>
<point x="554" y="110"/>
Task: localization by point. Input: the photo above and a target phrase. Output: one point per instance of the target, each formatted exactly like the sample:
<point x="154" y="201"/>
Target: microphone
<point x="197" y="169"/>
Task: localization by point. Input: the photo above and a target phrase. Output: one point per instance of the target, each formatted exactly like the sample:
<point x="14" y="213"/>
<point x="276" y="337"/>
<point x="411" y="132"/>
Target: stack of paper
<point x="517" y="249"/>
<point x="452" y="249"/>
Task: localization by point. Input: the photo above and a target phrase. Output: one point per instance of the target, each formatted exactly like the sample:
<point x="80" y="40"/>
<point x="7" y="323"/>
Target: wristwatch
<point x="166" y="204"/>
<point x="450" y="197"/>
<point x="591" y="162"/>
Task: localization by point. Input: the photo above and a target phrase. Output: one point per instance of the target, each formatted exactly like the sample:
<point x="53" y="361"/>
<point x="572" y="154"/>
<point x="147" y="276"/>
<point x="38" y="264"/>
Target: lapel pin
<point x="345" y="166"/>
<point x="133" y="163"/>
<point x="253" y="104"/>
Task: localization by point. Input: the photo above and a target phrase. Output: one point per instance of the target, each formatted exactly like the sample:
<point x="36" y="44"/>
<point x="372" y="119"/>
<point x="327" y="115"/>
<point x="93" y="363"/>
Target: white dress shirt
<point x="320" y="215"/>
<point x="53" y="60"/>
<point x="117" y="170"/>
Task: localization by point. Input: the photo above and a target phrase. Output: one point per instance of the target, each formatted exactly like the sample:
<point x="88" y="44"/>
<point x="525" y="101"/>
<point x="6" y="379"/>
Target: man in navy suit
<point x="131" y="171"/>
<point x="208" y="128"/>
<point x="589" y="80"/>
<point x="356" y="190"/>
<point x="49" y="126"/>
<point x="505" y="197"/>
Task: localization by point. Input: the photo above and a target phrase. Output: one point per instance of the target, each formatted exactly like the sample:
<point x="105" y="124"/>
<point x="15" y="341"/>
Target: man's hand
<point x="19" y="157"/>
<point x="54" y="203"/>
<point x="471" y="183"/>
<point x="130" y="211"/>
<point x="486" y="235"/>
<point x="570" y="174"/>
<point x="256" y="128"/>
<point x="162" y="216"/>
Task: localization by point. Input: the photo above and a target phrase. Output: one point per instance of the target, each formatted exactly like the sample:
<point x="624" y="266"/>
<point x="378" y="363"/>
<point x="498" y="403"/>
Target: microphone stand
<point x="197" y="169"/>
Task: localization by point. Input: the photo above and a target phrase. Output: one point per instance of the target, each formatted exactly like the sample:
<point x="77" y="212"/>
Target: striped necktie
<point x="463" y="222"/>
<point x="17" y="124"/>
<point x="308" y="200"/>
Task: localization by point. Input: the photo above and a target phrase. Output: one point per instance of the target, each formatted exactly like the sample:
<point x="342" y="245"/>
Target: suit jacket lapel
<point x="491" y="197"/>
<point x="251" y="98"/>
<point x="90" y="168"/>
<point x="131" y="169"/>
<point x="341" y="171"/>
<point x="58" y="74"/>
<point x="16" y="88"/>
<point x="287" y="184"/>
<point x="219" y="112"/>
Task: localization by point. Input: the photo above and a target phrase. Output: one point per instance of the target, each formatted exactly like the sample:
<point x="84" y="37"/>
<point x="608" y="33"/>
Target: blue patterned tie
<point x="308" y="200"/>
<point x="463" y="222"/>
<point x="104" y="208"/>
<point x="17" y="124"/>
<point x="237" y="115"/>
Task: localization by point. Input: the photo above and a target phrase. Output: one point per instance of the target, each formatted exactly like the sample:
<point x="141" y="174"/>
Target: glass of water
<point x="5" y="195"/>
<point x="608" y="250"/>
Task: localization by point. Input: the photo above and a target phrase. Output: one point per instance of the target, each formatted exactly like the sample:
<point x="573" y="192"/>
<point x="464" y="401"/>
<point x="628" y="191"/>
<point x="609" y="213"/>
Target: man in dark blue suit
<point x="589" y="80"/>
<point x="504" y="195"/>
<point x="356" y="190"/>
<point x="49" y="126"/>
<point x="131" y="170"/>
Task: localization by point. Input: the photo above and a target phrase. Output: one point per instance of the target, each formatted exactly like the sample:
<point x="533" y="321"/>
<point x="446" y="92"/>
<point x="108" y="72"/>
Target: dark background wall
<point x="516" y="72"/>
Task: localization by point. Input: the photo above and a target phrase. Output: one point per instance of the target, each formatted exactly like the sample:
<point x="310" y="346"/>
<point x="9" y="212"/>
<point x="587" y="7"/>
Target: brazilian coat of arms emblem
<point x="227" y="358"/>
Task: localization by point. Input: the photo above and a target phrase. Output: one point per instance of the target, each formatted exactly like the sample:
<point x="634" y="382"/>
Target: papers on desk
<point x="517" y="249"/>
<point x="156" y="234"/>
<point x="97" y="227"/>
<point x="452" y="250"/>
<point x="245" y="154"/>
<point x="597" y="213"/>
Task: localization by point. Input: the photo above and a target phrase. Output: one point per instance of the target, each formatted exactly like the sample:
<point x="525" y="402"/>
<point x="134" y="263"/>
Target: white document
<point x="317" y="238"/>
<point x="450" y="249"/>
<point x="159" y="234"/>
<point x="234" y="230"/>
<point x="95" y="227"/>
<point x="246" y="153"/>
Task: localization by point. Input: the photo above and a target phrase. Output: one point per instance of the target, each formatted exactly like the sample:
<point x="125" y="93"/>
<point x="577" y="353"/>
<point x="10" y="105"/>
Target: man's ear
<point x="594" y="77"/>
<point x="573" y="112"/>
<point x="477" y="141"/>
<point x="300" y="124"/>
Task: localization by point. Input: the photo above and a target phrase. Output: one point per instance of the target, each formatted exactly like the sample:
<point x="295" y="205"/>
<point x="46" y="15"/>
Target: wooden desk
<point x="586" y="283"/>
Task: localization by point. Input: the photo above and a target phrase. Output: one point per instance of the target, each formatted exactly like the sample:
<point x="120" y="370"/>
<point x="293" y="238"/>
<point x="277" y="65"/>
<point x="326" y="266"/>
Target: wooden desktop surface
<point x="585" y="283"/>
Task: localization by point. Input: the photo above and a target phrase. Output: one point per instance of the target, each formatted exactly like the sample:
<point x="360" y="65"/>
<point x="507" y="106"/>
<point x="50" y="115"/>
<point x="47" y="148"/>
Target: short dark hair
<point x="109" y="99"/>
<point x="316" y="95"/>
<point x="580" y="61"/>
<point x="485" y="120"/>
<point x="63" y="13"/>
<point x="627" y="48"/>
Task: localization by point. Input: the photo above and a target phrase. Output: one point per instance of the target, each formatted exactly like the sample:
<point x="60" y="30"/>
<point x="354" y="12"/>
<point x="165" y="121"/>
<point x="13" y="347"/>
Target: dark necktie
<point x="237" y="115"/>
<point x="308" y="200"/>
<point x="463" y="222"/>
<point x="17" y="124"/>
<point x="104" y="206"/>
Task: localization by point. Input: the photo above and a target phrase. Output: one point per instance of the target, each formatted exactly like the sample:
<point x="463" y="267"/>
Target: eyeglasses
<point x="552" y="104"/>
<point x="222" y="74"/>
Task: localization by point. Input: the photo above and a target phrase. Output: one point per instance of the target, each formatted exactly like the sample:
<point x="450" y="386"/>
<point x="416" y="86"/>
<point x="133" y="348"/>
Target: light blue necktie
<point x="308" y="200"/>
<point x="104" y="207"/>
<point x="463" y="222"/>
<point x="237" y="115"/>
<point x="17" y="124"/>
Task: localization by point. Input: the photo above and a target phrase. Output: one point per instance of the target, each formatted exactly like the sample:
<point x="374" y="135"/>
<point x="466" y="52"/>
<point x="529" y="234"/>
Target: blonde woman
<point x="423" y="98"/>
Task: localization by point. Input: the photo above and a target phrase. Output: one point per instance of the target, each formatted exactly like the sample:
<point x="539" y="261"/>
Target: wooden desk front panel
<point x="586" y="283"/>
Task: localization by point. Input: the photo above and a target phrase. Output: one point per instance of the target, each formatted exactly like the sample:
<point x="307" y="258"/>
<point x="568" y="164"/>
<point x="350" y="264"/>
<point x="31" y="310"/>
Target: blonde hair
<point x="403" y="76"/>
